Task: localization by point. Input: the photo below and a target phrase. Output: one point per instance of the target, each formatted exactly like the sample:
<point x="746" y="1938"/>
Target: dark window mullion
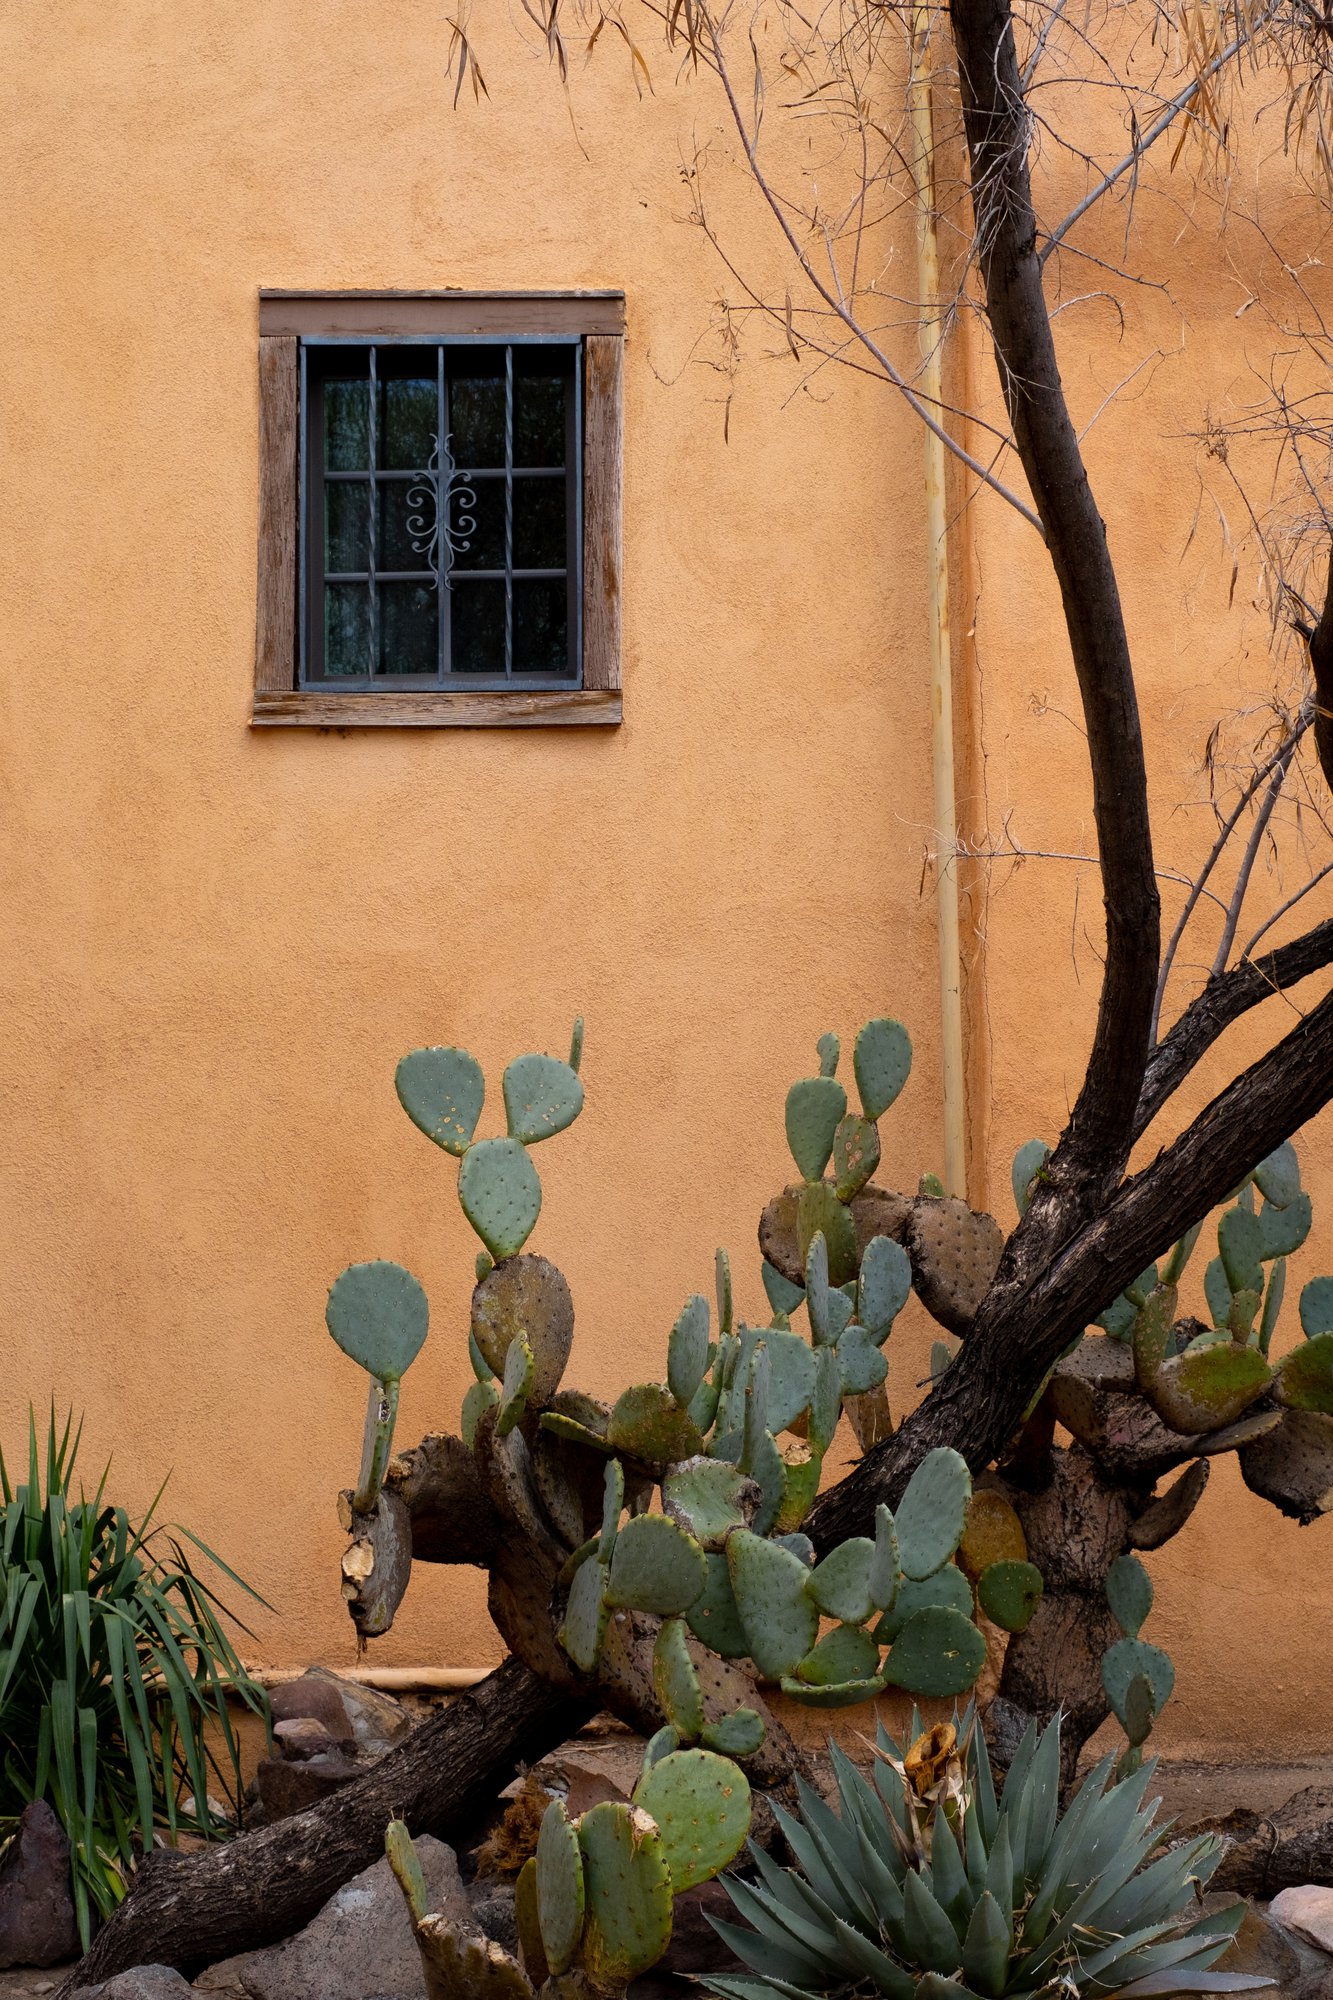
<point x="443" y="566"/>
<point x="509" y="513"/>
<point x="372" y="432"/>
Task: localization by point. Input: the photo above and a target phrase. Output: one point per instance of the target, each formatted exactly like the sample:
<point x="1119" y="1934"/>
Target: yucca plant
<point x="925" y="1887"/>
<point x="115" y="1670"/>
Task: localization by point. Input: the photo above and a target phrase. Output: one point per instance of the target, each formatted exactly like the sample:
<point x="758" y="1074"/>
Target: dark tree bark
<point x="189" y="1910"/>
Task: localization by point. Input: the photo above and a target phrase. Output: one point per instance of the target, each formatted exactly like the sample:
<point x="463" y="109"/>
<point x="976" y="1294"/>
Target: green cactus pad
<point x="1278" y="1178"/>
<point x="527" y="1921"/>
<point x="1273" y="1297"/>
<point x="1119" y="1317"/>
<point x="814" y="1107"/>
<point x="801" y="1468"/>
<point x="542" y="1096"/>
<point x="703" y="1406"/>
<point x="713" y="1616"/>
<point x="627" y="1894"/>
<point x="1216" y="1291"/>
<point x="1140" y="1711"/>
<point x="586" y="1613"/>
<point x="844" y="1654"/>
<point x="379" y="1317"/>
<point x="864" y="1365"/>
<point x="564" y="1426"/>
<point x="886" y="1280"/>
<point x="701" y="1804"/>
<point x="517" y="1386"/>
<point x="739" y="1734"/>
<point x="500" y="1194"/>
<point x="1147" y="1281"/>
<point x="481" y="1367"/>
<point x="1174" y="1268"/>
<point x="1009" y="1593"/>
<point x="817" y="1290"/>
<point x="855" y="1155"/>
<point x="754" y="1407"/>
<point x="820" y="1210"/>
<point x="559" y="1887"/>
<point x="1317" y="1307"/>
<point x="1240" y="1320"/>
<point x="576" y="1046"/>
<point x="947" y="1590"/>
<point x="1129" y="1594"/>
<point x="525" y="1295"/>
<point x="1124" y="1662"/>
<point x="782" y="1295"/>
<point x="885" y="1570"/>
<point x="1154" y="1333"/>
<point x="687" y="1350"/>
<point x="938" y="1652"/>
<point x="791" y="1377"/>
<point x="941" y="1360"/>
<point x="1283" y="1230"/>
<point x="482" y="1396"/>
<point x="442" y="1092"/>
<point x="708" y="1498"/>
<point x="1304" y="1379"/>
<point x="842" y="1694"/>
<point x="1028" y="1162"/>
<point x="781" y="1620"/>
<point x="659" y="1745"/>
<point x="826" y="1403"/>
<point x="882" y="1062"/>
<point x="1240" y="1244"/>
<point x="722" y="1290"/>
<point x="932" y="1185"/>
<point x="649" y="1424"/>
<point x="932" y="1514"/>
<point x="406" y="1865"/>
<point x="675" y="1681"/>
<point x="769" y="1472"/>
<point x="840" y="1585"/>
<point x="655" y="1567"/>
<point x="613" y="1504"/>
<point x="1208" y="1386"/>
<point x="829" y="1050"/>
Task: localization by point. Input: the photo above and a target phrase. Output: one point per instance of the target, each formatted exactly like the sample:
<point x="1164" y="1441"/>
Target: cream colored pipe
<point x="945" y="809"/>
<point x="389" y="1680"/>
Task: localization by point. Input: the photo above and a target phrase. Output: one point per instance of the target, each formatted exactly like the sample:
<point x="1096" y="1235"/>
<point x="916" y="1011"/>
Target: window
<point x="439" y="509"/>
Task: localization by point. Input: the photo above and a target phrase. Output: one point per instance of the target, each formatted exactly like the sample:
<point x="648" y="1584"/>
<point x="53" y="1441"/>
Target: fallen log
<point x="1266" y="1852"/>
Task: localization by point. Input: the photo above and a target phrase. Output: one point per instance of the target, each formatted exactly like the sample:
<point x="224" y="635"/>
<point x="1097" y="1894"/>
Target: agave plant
<point x="925" y="1887"/>
<point x="114" y="1674"/>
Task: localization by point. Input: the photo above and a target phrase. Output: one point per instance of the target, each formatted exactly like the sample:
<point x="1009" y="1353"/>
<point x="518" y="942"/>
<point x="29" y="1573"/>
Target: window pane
<point x="346" y="628"/>
<point x="406" y="524"/>
<point x="409" y="628"/>
<point x="541" y="627"/>
<point x="539" y="420"/>
<point x="477" y="614"/>
<point x="481" y="526"/>
<point x="477" y="419"/>
<point x="539" y="524"/>
<point x="346" y="525"/>
<point x="408" y="423"/>
<point x="347" y="426"/>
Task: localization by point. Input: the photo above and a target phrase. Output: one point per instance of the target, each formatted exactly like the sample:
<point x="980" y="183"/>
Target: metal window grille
<point x="441" y="512"/>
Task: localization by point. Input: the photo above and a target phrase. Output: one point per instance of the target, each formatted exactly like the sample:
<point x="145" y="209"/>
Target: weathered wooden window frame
<point x="284" y="319"/>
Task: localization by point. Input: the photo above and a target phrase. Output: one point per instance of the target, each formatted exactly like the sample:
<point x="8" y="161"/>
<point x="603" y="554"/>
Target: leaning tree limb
<point x="189" y="1910"/>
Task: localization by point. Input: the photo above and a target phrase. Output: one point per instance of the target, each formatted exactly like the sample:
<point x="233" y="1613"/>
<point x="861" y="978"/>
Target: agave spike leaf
<point x="871" y="1963"/>
<point x="753" y="1948"/>
<point x="804" y="1915"/>
<point x="756" y="1989"/>
<point x="1161" y="1986"/>
<point x="810" y="1855"/>
<point x="931" y="1937"/>
<point x="838" y="1846"/>
<point x="948" y="1877"/>
<point x="986" y="1947"/>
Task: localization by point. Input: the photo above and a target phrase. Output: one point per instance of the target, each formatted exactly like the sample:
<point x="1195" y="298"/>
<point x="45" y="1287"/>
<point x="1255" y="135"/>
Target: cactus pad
<point x="406" y="1865"/>
<point x="829" y="1050"/>
<point x="1028" y="1163"/>
<point x="781" y="1620"/>
<point x="947" y="1590"/>
<point x="527" y="1921"/>
<point x="561" y="1425"/>
<point x="826" y="1403"/>
<point x="1317" y="1307"/>
<point x="708" y="1498"/>
<point x="886" y="1280"/>
<point x="613" y="1503"/>
<point x="820" y="1210"/>
<point x="817" y="1290"/>
<point x="528" y="1295"/>
<point x="932" y="1514"/>
<point x="517" y="1387"/>
<point x="1240" y="1243"/>
<point x="837" y="1694"/>
<point x="500" y="1194"/>
<point x="442" y="1092"/>
<point x="559" y="1887"/>
<point x="885" y="1570"/>
<point x="649" y="1424"/>
<point x="1207" y="1386"/>
<point x="1278" y="1178"/>
<point x="791" y="1377"/>
<point x="855" y="1154"/>
<point x="992" y="1533"/>
<point x="864" y="1365"/>
<point x="938" y="1652"/>
<point x="379" y="1317"/>
<point x="542" y="1096"/>
<point x="714" y="1618"/>
<point x="844" y="1654"/>
<point x="1127" y="1661"/>
<point x="675" y="1682"/>
<point x="840" y="1585"/>
<point x="882" y="1063"/>
<point x="465" y="1965"/>
<point x="781" y="1293"/>
<point x="1009" y="1593"/>
<point x="627" y="1892"/>
<point x="801" y="1467"/>
<point x="655" y="1567"/>
<point x="687" y="1350"/>
<point x="1304" y="1379"/>
<point x="739" y="1734"/>
<point x="1283" y="1230"/>
<point x="586" y="1615"/>
<point x="954" y="1253"/>
<point x="814" y="1107"/>
<point x="1129" y="1594"/>
<point x="482" y="1396"/>
<point x="701" y="1804"/>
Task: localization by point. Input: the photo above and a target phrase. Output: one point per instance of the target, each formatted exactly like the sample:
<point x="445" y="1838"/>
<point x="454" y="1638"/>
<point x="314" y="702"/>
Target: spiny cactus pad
<point x="1126" y="1661"/>
<point x="542" y="1096"/>
<point x="714" y="1618"/>
<point x="1283" y="1230"/>
<point x="500" y="1194"/>
<point x="932" y="1514"/>
<point x="708" y="1498"/>
<point x="835" y="1694"/>
<point x="829" y="1050"/>
<point x="739" y="1734"/>
<point x="406" y="1865"/>
<point x="649" y="1424"/>
<point x="864" y="1365"/>
<point x="814" y="1107"/>
<point x="1317" y="1307"/>
<point x="442" y="1092"/>
<point x="820" y="1210"/>
<point x="613" y="1502"/>
<point x="1129" y="1594"/>
<point x="855" y="1154"/>
<point x="517" y="1387"/>
<point x="586" y="1615"/>
<point x="687" y="1350"/>
<point x="886" y="1280"/>
<point x="1240" y="1243"/>
<point x="1207" y="1386"/>
<point x="840" y="1584"/>
<point x="701" y="1804"/>
<point x="675" y="1681"/>
<point x="780" y="1618"/>
<point x="947" y="1590"/>
<point x="992" y="1533"/>
<point x="1304" y="1379"/>
<point x="938" y="1652"/>
<point x="526" y="1295"/>
<point x="1278" y="1178"/>
<point x="379" y="1317"/>
<point x="559" y="1887"/>
<point x="781" y="1293"/>
<point x="482" y="1396"/>
<point x="656" y="1567"/>
<point x="1028" y="1163"/>
<point x="527" y="1921"/>
<point x="627" y="1888"/>
<point x="882" y="1063"/>
<point x="954" y="1254"/>
<point x="1009" y="1593"/>
<point x="844" y="1654"/>
<point x="885" y="1567"/>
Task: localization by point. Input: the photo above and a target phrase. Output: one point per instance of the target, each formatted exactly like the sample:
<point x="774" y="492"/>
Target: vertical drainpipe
<point x="945" y="811"/>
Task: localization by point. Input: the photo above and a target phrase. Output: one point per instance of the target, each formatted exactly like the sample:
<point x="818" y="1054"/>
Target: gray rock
<point x="361" y="1942"/>
<point x="287" y="1785"/>
<point x="378" y="1722"/>
<point x="495" y="1915"/>
<point x="314" y="1698"/>
<point x="1314" y="1986"/>
<point x="141" y="1982"/>
<point x="37" y="1923"/>
<point x="1307" y="1910"/>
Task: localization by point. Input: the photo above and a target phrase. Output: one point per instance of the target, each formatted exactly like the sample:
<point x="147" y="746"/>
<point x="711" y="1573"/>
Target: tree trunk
<point x="188" y="1911"/>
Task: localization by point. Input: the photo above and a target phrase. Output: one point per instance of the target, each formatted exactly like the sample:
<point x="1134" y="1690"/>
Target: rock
<point x="1260" y="1945"/>
<point x="141" y="1982"/>
<point x="314" y="1698"/>
<point x="302" y="1738"/>
<point x="695" y="1946"/>
<point x="1307" y="1910"/>
<point x="1314" y="1986"/>
<point x="1266" y="1852"/>
<point x="378" y="1722"/>
<point x="37" y="1923"/>
<point x="494" y="1914"/>
<point x="361" y="1942"/>
<point x="286" y="1786"/>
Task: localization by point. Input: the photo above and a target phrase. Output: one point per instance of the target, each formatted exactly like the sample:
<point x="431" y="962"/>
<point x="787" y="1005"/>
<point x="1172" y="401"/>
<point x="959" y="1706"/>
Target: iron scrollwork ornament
<point x="441" y="520"/>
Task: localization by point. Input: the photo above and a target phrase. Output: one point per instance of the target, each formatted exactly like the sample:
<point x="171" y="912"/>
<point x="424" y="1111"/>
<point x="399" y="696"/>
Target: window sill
<point x="439" y="708"/>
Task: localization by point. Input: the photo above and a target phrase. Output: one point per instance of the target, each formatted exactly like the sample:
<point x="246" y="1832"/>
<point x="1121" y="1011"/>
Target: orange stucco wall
<point x="218" y="942"/>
